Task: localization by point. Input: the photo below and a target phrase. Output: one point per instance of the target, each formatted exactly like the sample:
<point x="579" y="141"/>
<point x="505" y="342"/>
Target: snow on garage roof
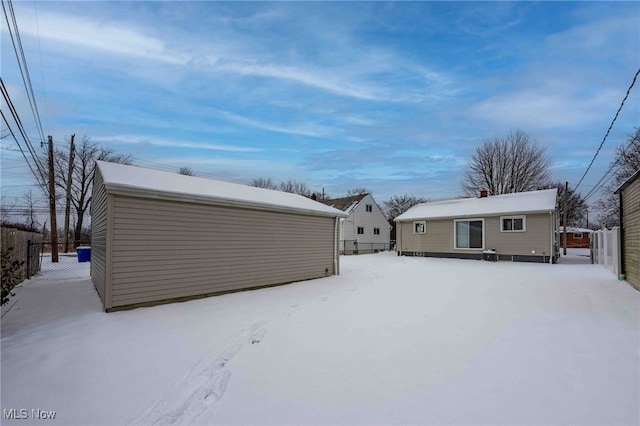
<point x="133" y="180"/>
<point x="518" y="203"/>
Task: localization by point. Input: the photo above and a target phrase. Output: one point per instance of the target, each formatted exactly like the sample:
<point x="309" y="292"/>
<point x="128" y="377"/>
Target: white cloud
<point x="311" y="130"/>
<point x="96" y="35"/>
<point x="150" y="140"/>
<point x="544" y="108"/>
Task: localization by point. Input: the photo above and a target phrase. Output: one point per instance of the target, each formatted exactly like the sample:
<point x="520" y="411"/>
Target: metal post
<point x="28" y="259"/>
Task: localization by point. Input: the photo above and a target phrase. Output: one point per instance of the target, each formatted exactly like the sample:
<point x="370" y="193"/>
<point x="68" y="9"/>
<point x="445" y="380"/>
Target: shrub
<point x="11" y="275"/>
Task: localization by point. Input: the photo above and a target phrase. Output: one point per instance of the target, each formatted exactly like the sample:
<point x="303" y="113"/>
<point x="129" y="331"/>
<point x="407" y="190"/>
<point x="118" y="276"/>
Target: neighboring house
<point x="366" y="229"/>
<point x="159" y="237"/>
<point x="576" y="237"/>
<point x="629" y="193"/>
<point x="518" y="227"/>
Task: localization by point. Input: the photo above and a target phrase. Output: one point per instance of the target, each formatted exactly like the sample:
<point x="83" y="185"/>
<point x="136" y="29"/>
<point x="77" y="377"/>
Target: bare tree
<point x="398" y="204"/>
<point x="86" y="155"/>
<point x="576" y="206"/>
<point x="507" y="165"/>
<point x="263" y="182"/>
<point x="626" y="162"/>
<point x="31" y="205"/>
<point x="7" y="208"/>
<point x="186" y="170"/>
<point x="295" y="187"/>
<point x="357" y="191"/>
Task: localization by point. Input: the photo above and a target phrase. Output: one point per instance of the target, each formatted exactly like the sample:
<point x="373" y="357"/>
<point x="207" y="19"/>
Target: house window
<point x="376" y="231"/>
<point x="420" y="227"/>
<point x="369" y="207"/>
<point x="360" y="230"/>
<point x="513" y="224"/>
<point x="469" y="234"/>
<point x="577" y="236"/>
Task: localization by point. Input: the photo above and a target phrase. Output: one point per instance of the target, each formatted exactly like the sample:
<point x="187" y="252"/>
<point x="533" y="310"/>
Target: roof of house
<point x="518" y="203"/>
<point x="628" y="182"/>
<point x="345" y="204"/>
<point x="572" y="230"/>
<point x="133" y="180"/>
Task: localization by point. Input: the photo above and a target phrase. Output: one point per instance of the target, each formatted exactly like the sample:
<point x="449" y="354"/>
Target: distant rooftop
<point x="521" y="202"/>
<point x="345" y="204"/>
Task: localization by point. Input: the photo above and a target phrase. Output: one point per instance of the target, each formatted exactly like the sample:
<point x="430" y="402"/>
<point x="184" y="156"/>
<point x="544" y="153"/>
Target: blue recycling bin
<point x="84" y="254"/>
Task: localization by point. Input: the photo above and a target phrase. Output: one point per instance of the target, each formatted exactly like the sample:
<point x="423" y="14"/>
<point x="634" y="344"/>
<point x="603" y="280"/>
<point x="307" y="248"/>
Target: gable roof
<point x="346" y="204"/>
<point x="518" y="203"/>
<point x="628" y="182"/>
<point x="139" y="181"/>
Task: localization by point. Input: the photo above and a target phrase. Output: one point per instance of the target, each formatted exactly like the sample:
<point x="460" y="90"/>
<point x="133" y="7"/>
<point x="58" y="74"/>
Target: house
<point x="518" y="227"/>
<point x="629" y="193"/>
<point x="576" y="237"/>
<point x="366" y="229"/>
<point x="159" y="237"/>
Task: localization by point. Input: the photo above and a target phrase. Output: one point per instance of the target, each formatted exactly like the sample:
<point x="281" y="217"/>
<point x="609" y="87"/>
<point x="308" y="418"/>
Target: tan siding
<point x="164" y="250"/>
<point x="98" y="235"/>
<point x="537" y="236"/>
<point x="631" y="229"/>
<point x="440" y="233"/>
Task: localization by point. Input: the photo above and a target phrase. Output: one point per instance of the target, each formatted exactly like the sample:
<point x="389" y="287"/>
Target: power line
<point x="44" y="91"/>
<point x="22" y="65"/>
<point x="609" y="129"/>
<point x="39" y="177"/>
<point x="21" y="150"/>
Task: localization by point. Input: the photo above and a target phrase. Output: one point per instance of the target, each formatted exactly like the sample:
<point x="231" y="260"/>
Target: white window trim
<point x="358" y="228"/>
<point x="368" y="208"/>
<point x="376" y="231"/>
<point x="455" y="233"/>
<point x="524" y="223"/>
<point x="424" y="224"/>
<point x="578" y="233"/>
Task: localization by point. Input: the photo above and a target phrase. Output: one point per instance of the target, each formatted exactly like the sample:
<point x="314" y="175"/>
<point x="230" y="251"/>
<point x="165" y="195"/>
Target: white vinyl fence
<point x="605" y="249"/>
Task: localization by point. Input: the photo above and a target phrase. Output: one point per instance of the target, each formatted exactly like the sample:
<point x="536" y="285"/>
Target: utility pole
<point x="67" y="208"/>
<point x="52" y="205"/>
<point x="564" y="219"/>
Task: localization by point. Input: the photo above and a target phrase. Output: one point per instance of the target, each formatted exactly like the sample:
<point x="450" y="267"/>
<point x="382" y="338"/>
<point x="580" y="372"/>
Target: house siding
<point x="99" y="215"/>
<point x="439" y="238"/>
<point x="631" y="231"/>
<point x="164" y="250"/>
<point x="360" y="217"/>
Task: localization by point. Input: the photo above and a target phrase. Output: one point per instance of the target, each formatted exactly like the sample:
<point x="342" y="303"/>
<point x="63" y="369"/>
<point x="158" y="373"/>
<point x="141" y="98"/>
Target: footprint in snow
<point x="257" y="336"/>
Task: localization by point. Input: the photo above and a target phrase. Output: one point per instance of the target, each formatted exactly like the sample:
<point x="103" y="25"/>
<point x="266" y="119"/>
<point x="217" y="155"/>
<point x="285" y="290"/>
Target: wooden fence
<point x="26" y="246"/>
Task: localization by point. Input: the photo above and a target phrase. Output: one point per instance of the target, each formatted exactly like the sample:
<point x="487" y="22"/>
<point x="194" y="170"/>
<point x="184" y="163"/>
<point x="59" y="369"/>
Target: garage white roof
<point x="518" y="203"/>
<point x="139" y="181"/>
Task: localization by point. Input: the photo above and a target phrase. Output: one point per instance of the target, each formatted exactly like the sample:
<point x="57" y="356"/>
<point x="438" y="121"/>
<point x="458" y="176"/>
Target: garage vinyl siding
<point x="164" y="250"/>
<point x="631" y="228"/>
<point x="537" y="236"/>
<point x="98" y="234"/>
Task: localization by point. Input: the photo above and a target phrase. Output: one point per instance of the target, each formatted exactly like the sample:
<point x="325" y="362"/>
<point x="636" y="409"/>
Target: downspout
<point x="336" y="270"/>
<point x="552" y="222"/>
<point x="399" y="238"/>
<point x="621" y="262"/>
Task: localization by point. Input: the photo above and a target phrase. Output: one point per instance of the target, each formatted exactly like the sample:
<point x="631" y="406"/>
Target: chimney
<point x="314" y="197"/>
<point x="484" y="193"/>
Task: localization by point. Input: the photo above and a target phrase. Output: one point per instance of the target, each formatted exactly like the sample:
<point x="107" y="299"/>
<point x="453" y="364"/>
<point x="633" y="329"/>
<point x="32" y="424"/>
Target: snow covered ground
<point x="392" y="340"/>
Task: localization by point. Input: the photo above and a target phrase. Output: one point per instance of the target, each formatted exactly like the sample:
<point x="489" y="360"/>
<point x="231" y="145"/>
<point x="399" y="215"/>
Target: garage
<point x="159" y="237"/>
<point x="629" y="193"/>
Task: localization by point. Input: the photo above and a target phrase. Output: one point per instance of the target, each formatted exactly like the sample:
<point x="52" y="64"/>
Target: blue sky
<point x="394" y="97"/>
